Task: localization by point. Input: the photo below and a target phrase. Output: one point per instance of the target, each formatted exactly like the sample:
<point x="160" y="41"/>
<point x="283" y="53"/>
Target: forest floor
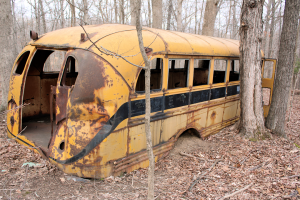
<point x="223" y="164"/>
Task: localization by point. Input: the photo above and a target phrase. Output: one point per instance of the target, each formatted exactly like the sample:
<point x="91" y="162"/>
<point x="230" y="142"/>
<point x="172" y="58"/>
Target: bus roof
<point x="122" y="39"/>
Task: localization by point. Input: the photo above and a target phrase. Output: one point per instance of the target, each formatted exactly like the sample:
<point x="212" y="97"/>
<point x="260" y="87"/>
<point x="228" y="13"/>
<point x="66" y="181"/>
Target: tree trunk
<point x="229" y="19"/>
<point x="148" y="105"/>
<point x="157" y="14"/>
<point x="37" y="16"/>
<point x="149" y="13"/>
<point x="62" y="15"/>
<point x="133" y="12"/>
<point x="199" y="24"/>
<point x="85" y="11"/>
<point x="196" y="9"/>
<point x="73" y="18"/>
<point x="272" y="29"/>
<point x="15" y="36"/>
<point x="284" y="71"/>
<point x="179" y="15"/>
<point x="122" y="15"/>
<point x="266" y="26"/>
<point x="251" y="120"/>
<point x="6" y="45"/>
<point x="170" y="8"/>
<point x="43" y="16"/>
<point x="116" y="11"/>
<point x="210" y="14"/>
<point x="234" y="22"/>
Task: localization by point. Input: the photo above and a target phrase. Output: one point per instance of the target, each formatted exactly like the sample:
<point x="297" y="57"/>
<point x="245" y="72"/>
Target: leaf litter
<point x="222" y="166"/>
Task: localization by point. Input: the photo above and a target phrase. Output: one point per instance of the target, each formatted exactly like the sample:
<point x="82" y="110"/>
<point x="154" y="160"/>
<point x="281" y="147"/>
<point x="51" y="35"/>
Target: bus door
<point x="68" y="76"/>
<point x="268" y="73"/>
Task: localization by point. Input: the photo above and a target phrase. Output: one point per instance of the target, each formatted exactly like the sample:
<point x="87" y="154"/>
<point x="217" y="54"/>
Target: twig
<point x="191" y="156"/>
<point x="16" y="189"/>
<point x="157" y="196"/>
<point x="21" y="106"/>
<point x="132" y="180"/>
<point x="203" y="174"/>
<point x="287" y="177"/>
<point x="257" y="167"/>
<point x="239" y="191"/>
<point x="16" y="137"/>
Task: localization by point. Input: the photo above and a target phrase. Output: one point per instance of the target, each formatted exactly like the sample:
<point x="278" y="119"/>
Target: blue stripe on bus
<point x="158" y="104"/>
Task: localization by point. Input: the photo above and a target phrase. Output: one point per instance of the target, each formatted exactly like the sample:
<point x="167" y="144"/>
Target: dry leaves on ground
<point x="266" y="169"/>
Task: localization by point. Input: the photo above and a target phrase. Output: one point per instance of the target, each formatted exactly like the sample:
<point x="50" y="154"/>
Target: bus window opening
<point x="234" y="70"/>
<point x="220" y="71"/>
<point x="201" y="72"/>
<point x="178" y="73"/>
<point x="155" y="77"/>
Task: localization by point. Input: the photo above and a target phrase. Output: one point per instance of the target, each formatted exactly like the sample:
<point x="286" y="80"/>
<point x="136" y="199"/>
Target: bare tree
<point x="62" y="15"/>
<point x="149" y="13"/>
<point x="199" y="23"/>
<point x="272" y="27"/>
<point x="133" y="12"/>
<point x="157" y="14"/>
<point x="251" y="120"/>
<point x="229" y="18"/>
<point x="122" y="12"/>
<point x="179" y="15"/>
<point x="170" y="8"/>
<point x="276" y="118"/>
<point x="73" y="14"/>
<point x="234" y="22"/>
<point x="196" y="10"/>
<point x="266" y="27"/>
<point x="211" y="10"/>
<point x="148" y="105"/>
<point x="6" y="45"/>
<point x="85" y="11"/>
<point x="43" y="16"/>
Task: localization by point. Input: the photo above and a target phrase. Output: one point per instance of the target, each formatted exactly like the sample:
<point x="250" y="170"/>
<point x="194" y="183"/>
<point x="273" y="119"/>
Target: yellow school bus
<point x="83" y="108"/>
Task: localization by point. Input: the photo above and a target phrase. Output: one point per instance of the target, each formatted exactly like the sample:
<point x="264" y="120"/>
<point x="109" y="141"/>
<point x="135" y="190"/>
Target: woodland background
<point x="218" y="18"/>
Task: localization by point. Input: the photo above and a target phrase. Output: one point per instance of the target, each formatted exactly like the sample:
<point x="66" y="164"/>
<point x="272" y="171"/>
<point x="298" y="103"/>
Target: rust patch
<point x="213" y="115"/>
<point x="61" y="102"/>
<point x="90" y="77"/>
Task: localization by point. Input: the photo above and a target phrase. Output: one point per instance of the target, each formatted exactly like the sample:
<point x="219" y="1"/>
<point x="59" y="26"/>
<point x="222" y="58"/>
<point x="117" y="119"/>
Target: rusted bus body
<point x="88" y="117"/>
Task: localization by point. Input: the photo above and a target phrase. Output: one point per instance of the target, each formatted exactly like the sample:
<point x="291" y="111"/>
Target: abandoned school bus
<point x="85" y="111"/>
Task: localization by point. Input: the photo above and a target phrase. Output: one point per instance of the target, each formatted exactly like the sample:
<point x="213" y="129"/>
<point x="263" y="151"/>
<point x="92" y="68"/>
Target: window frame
<point x="209" y="71"/>
<point x="188" y="72"/>
<point x="161" y="78"/>
<point x="63" y="73"/>
<point x="230" y="60"/>
<point x="226" y="71"/>
<point x="18" y="60"/>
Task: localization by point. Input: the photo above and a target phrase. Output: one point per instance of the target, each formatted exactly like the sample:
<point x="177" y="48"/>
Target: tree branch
<point x="107" y="52"/>
<point x="239" y="191"/>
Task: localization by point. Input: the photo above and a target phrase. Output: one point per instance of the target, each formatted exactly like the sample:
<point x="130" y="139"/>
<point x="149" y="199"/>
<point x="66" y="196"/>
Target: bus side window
<point x="220" y="71"/>
<point x="201" y="72"/>
<point x="178" y="73"/>
<point x="70" y="73"/>
<point x="54" y="61"/>
<point x="234" y="70"/>
<point x="20" y="65"/>
<point x="155" y="77"/>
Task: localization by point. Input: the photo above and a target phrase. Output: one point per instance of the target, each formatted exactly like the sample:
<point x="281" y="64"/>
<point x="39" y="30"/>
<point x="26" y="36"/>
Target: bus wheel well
<point x="191" y="131"/>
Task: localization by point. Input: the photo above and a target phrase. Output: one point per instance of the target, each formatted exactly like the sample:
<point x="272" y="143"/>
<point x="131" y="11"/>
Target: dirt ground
<point x="220" y="165"/>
